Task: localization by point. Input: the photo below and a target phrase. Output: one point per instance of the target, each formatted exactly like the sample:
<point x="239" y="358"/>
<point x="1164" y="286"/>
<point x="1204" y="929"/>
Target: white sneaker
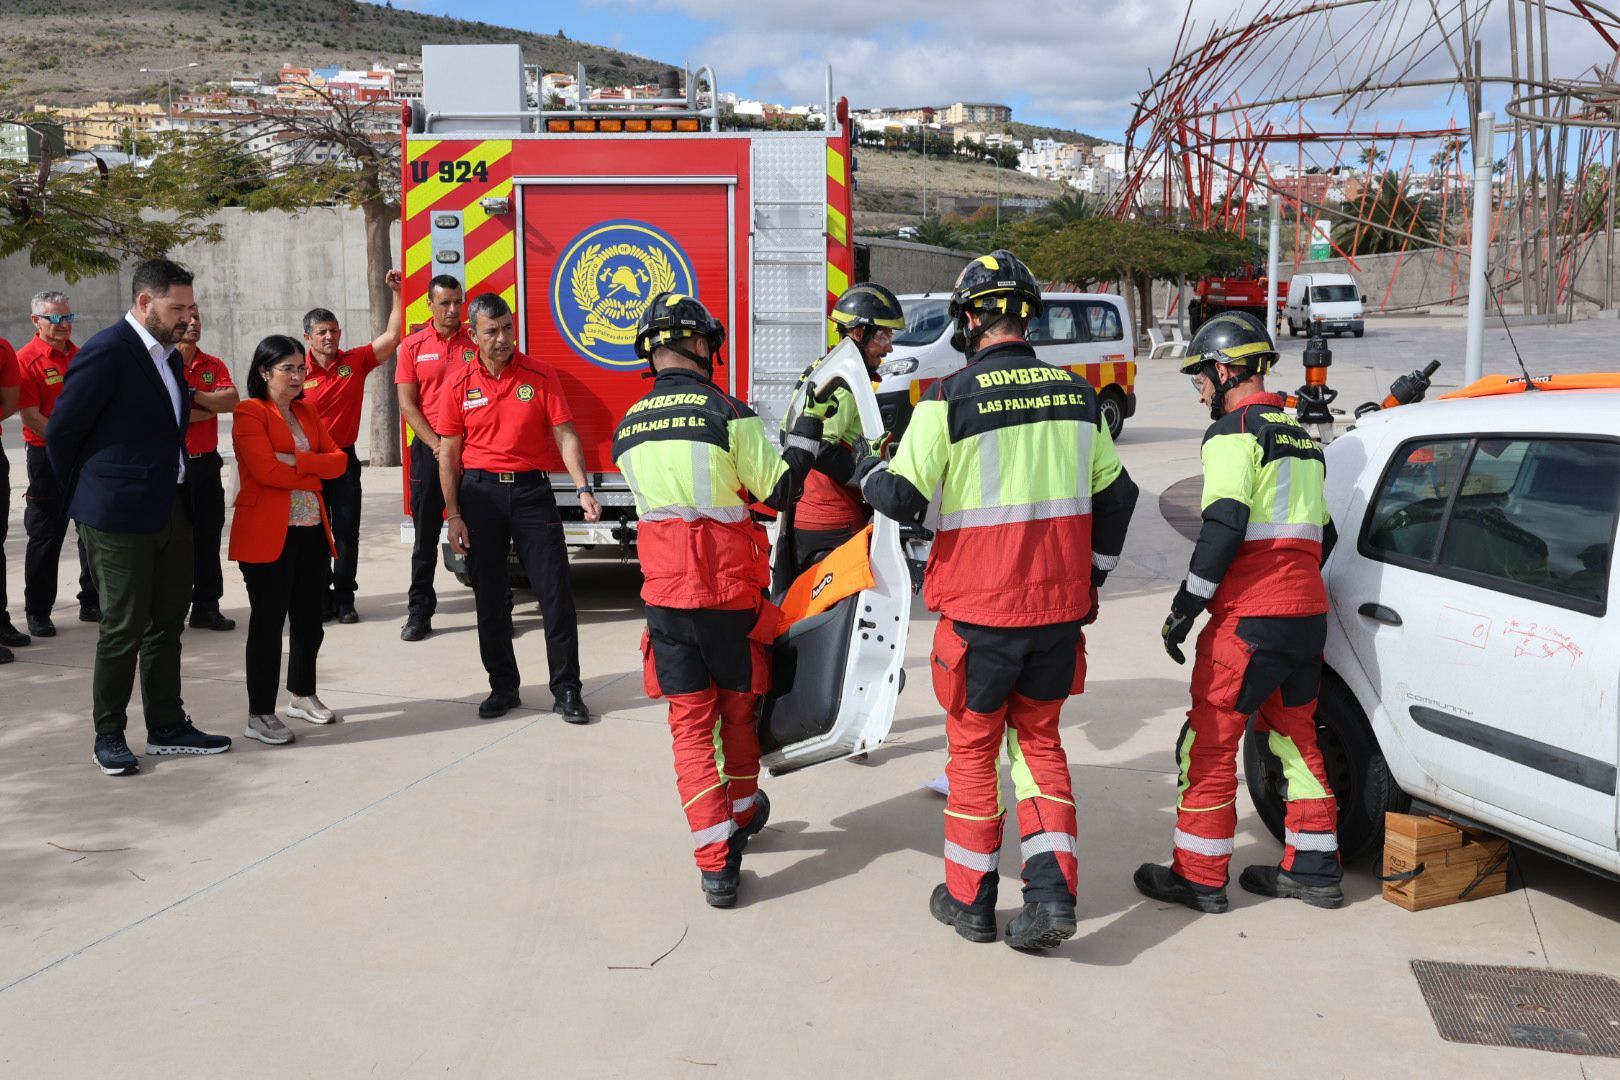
<point x="309" y="708"/>
<point x="267" y="729"/>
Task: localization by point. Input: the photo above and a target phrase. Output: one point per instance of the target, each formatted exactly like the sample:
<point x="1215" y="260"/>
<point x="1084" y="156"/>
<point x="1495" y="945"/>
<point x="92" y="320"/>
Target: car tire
<point x="1112" y="403"/>
<point x="1293" y="331"/>
<point x="1195" y="315"/>
<point x="1358" y="333"/>
<point x="1356" y="769"/>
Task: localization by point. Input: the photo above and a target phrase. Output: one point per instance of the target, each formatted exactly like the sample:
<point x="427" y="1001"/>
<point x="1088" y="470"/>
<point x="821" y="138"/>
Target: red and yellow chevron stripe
<point x="840" y="251"/>
<point x="491" y="244"/>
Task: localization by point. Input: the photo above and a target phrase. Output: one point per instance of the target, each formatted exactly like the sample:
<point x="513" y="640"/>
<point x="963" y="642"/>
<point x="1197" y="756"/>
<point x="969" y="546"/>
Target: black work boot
<point x="720" y="886"/>
<point x="975" y="924"/>
<point x="1275" y="881"/>
<point x="1163" y="883"/>
<point x="1042" y="924"/>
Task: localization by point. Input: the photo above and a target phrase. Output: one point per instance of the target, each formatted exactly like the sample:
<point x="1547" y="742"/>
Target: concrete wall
<point x="260" y="278"/>
<point x="912" y="268"/>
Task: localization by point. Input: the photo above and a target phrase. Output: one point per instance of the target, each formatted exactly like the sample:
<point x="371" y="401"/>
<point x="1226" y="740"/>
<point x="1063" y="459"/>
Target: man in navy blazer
<point x="117" y="441"/>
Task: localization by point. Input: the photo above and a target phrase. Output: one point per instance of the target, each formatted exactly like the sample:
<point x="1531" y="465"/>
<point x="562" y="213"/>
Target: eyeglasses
<point x="290" y="369"/>
<point x="57" y="320"/>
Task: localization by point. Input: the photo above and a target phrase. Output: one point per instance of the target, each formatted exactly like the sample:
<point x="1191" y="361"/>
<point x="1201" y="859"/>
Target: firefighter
<point x="1257" y="568"/>
<point x="1033" y="516"/>
<point x="695" y="459"/>
<point x="831" y="511"/>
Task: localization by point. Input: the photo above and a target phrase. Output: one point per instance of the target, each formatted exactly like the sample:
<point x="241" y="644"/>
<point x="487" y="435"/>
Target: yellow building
<point x="106" y="123"/>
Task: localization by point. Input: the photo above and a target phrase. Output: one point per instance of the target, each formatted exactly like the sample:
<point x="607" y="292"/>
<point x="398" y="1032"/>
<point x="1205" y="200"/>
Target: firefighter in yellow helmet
<point x="1257" y="568"/>
<point x="696" y="458"/>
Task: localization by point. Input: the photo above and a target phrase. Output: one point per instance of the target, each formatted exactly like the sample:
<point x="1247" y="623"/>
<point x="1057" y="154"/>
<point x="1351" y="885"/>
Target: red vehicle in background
<point x="1242" y="290"/>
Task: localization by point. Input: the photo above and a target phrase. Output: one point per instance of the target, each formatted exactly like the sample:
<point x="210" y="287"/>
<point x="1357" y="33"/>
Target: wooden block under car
<point x="1453" y="857"/>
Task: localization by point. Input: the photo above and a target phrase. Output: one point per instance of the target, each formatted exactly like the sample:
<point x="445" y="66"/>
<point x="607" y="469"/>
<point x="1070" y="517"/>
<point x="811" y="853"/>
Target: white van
<point x="1088" y="333"/>
<point x="1331" y="300"/>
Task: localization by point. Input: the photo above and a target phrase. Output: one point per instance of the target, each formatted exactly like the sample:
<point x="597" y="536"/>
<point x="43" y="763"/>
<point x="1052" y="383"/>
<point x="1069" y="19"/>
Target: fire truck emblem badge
<point x="604" y="282"/>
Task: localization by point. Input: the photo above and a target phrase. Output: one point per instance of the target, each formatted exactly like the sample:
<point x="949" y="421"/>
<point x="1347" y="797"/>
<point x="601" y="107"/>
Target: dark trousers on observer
<point x="427" y="514"/>
<point x="343" y="507"/>
<point x="145" y="586"/>
<point x="523" y="515"/>
<point x="207" y="525"/>
<point x="288" y="592"/>
<point x="45" y="521"/>
<point x="5" y="517"/>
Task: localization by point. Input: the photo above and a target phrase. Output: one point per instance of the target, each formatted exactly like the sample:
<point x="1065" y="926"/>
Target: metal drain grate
<point x="1569" y="1012"/>
<point x="1179" y="506"/>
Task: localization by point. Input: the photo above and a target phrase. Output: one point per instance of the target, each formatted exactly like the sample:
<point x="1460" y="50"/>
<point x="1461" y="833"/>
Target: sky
<point x="1066" y="63"/>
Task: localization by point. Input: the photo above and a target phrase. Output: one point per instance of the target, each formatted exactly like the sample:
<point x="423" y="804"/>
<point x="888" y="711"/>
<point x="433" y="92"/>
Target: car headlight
<point x="905" y="365"/>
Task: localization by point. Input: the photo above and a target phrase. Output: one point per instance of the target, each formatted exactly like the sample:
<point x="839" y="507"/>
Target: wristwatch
<point x="585" y="489"/>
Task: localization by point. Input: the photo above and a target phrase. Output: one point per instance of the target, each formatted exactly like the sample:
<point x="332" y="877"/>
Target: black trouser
<point x="5" y="518"/>
<point x="343" y="507"/>
<point x="45" y="521"/>
<point x="207" y="525"/>
<point x="427" y="514"/>
<point x="289" y="590"/>
<point x="694" y="648"/>
<point x="147" y="581"/>
<point x="522" y="514"/>
<point x="810" y="546"/>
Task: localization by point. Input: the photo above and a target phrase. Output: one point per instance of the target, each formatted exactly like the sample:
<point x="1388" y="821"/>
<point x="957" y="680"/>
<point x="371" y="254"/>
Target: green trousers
<point x="145" y="583"/>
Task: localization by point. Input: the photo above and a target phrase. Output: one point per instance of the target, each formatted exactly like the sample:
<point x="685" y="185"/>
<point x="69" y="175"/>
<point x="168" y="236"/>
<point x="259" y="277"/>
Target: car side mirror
<point x="1363" y="298"/>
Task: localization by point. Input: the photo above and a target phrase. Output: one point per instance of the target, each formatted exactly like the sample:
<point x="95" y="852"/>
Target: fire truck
<point x="579" y="216"/>
<point x="1242" y="290"/>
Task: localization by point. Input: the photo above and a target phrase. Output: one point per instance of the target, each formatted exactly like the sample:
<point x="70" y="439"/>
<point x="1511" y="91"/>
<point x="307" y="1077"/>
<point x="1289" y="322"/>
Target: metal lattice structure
<point x="1322" y="80"/>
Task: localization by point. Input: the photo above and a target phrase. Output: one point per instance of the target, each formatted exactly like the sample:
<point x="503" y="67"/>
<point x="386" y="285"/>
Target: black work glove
<point x="1184" y="610"/>
<point x="806" y="433"/>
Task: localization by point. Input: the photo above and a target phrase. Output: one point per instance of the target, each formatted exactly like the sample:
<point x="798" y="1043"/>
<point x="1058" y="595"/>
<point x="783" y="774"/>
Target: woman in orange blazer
<point x="280" y="535"/>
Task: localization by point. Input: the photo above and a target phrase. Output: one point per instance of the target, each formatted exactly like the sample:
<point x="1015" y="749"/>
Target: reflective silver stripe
<point x="739" y="805"/>
<point x="702" y="485"/>
<point x="973" y="860"/>
<point x="1277" y="530"/>
<point x="728" y="514"/>
<point x="803" y="442"/>
<point x="1007" y="515"/>
<point x="990" y="468"/>
<point x="1203" y="845"/>
<point x="1201" y="586"/>
<point x="714" y="834"/>
<point x="1047" y="841"/>
<point x="1105" y="563"/>
<point x="1311" y="841"/>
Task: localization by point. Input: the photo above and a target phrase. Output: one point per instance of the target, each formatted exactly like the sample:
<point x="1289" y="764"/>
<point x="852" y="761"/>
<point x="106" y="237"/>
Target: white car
<point x="1473" y="656"/>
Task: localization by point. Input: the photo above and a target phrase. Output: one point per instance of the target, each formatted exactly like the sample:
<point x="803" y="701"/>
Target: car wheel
<point x="1356" y="769"/>
<point x="1293" y="331"/>
<point x="1358" y="333"/>
<point x="1195" y="315"/>
<point x="1112" y="403"/>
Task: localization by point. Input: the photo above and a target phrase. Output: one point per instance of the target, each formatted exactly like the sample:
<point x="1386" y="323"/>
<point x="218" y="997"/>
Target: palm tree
<point x="931" y="230"/>
<point x="1069" y="207"/>
<point x="1370" y="157"/>
<point x="1388" y="206"/>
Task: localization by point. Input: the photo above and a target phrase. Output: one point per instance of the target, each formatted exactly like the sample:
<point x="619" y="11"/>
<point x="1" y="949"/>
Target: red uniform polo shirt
<point x="10" y="372"/>
<point x="206" y="374"/>
<point x="505" y="422"/>
<point x="338" y="392"/>
<point x="430" y="360"/>
<point x="43" y="369"/>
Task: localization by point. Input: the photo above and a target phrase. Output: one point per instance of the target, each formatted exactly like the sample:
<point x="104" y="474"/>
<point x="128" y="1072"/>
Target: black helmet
<point x="868" y="305"/>
<point x="1232" y="337"/>
<point x="672" y="316"/>
<point x="998" y="282"/>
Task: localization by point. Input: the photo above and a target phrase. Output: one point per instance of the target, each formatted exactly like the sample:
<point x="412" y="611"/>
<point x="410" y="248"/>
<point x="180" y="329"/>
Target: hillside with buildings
<point x="77" y="52"/>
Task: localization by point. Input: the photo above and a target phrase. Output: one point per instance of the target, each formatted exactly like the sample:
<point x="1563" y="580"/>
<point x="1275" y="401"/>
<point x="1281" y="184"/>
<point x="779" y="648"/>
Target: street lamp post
<point x="997" y="163"/>
<point x="168" y="74"/>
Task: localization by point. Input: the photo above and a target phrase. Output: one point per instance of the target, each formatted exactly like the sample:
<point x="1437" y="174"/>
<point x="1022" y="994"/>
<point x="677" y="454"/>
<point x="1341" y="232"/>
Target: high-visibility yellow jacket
<point x="1034" y="503"/>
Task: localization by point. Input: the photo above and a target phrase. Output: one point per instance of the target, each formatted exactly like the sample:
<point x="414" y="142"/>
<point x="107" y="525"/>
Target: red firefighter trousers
<point x="1270" y="668"/>
<point x="710" y="668"/>
<point x="1007" y="683"/>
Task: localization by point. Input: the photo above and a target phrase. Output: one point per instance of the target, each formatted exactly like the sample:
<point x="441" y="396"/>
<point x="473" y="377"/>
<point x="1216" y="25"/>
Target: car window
<point x="1102" y="322"/>
<point x="1535" y="515"/>
<point x="1056" y="325"/>
<point x="926" y="321"/>
<point x="1334" y="294"/>
<point x="1545" y="520"/>
<point x="1411" y="505"/>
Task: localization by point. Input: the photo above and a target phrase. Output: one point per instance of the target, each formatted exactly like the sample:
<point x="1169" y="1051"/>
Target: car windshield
<point x="926" y="321"/>
<point x="1333" y="294"/>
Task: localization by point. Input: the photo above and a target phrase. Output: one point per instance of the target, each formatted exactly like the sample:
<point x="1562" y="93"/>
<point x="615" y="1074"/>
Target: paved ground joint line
<point x="263" y="859"/>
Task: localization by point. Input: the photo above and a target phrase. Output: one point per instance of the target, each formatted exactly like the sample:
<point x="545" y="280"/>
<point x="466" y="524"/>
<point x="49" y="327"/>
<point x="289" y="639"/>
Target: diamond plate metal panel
<point x="789" y="185"/>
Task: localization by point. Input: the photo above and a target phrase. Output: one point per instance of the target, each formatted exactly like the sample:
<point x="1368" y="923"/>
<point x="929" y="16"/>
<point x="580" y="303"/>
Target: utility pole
<point x="1271" y="264"/>
<point x="1479" y="249"/>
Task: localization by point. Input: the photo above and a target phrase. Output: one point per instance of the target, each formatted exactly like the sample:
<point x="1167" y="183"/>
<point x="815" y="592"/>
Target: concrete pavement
<point x="415" y="892"/>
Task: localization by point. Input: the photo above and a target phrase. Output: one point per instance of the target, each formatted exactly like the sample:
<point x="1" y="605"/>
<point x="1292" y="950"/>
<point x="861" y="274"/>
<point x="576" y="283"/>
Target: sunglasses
<point x="57" y="320"/>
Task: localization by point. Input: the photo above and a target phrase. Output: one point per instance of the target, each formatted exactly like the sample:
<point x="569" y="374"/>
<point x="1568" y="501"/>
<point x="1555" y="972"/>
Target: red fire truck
<point x="579" y="216"/>
<point x="1242" y="290"/>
